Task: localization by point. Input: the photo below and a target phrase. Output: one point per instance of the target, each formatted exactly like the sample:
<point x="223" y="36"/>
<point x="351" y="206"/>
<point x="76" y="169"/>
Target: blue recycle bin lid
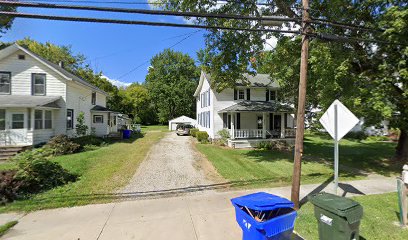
<point x="262" y="201"/>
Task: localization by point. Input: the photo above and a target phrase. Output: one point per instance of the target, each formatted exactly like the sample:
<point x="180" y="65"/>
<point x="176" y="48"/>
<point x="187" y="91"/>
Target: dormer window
<point x="38" y="83"/>
<point x="273" y="95"/>
<point x="241" y="94"/>
<point x="21" y="57"/>
<point x="5" y="82"/>
<point x="93" y="101"/>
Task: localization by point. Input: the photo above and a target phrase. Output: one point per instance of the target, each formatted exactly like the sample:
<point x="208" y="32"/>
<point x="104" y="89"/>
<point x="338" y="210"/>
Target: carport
<point x="183" y="119"/>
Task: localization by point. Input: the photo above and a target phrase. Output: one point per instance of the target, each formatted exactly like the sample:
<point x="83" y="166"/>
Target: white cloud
<point x="117" y="82"/>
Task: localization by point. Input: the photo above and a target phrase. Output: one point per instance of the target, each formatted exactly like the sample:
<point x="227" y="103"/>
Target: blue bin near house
<point x="127" y="133"/>
<point x="264" y="216"/>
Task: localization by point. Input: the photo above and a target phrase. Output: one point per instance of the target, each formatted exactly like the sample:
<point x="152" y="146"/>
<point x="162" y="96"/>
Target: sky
<point x="114" y="49"/>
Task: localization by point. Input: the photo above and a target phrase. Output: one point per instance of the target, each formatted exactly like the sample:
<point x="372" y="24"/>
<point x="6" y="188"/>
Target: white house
<point x="251" y="113"/>
<point x="183" y="119"/>
<point x="40" y="99"/>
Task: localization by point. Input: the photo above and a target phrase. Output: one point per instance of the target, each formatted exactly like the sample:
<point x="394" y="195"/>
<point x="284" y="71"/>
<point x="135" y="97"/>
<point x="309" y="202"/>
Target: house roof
<point x="182" y="119"/>
<point x="259" y="80"/>
<point x="29" y="101"/>
<point x="258" y="106"/>
<point x="98" y="108"/>
<point x="55" y="67"/>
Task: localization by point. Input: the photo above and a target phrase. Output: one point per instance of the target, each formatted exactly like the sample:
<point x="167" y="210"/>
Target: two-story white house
<point x="40" y="99"/>
<point x="251" y="113"/>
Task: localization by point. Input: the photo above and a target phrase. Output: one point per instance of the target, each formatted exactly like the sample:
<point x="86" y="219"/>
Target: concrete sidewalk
<point x="202" y="216"/>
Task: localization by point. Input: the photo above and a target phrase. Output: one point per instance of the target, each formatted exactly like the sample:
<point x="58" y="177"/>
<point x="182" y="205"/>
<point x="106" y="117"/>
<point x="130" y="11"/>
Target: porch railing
<point x="248" y="133"/>
<point x="290" y="132"/>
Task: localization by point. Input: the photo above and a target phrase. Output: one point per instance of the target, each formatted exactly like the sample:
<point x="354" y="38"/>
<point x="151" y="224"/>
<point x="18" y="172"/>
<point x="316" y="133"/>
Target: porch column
<point x="232" y="125"/>
<point x="263" y="125"/>
<point x="282" y="125"/>
<point x="32" y="119"/>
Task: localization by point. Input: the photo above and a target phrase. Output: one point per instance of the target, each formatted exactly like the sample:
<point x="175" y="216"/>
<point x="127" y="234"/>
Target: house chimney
<point x="61" y="64"/>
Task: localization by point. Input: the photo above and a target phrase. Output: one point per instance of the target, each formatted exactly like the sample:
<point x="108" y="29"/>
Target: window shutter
<point x="209" y="94"/>
<point x="286" y="120"/>
<point x="267" y="95"/>
<point x="225" y="120"/>
<point x="270" y="121"/>
<point x="229" y="121"/>
<point x="238" y="120"/>
<point x="209" y="119"/>
<point x="235" y="94"/>
<point x="248" y="94"/>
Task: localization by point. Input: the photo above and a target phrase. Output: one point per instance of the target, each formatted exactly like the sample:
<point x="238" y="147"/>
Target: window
<point x="38" y="119"/>
<point x="70" y="118"/>
<point x="29" y="119"/>
<point x="17" y="121"/>
<point x="241" y="94"/>
<point x="114" y="120"/>
<point x="209" y="96"/>
<point x="2" y="119"/>
<point x="38" y="84"/>
<point x="48" y="120"/>
<point x="5" y="82"/>
<point x="21" y="57"/>
<point x="98" y="119"/>
<point x="93" y="101"/>
<point x="272" y="95"/>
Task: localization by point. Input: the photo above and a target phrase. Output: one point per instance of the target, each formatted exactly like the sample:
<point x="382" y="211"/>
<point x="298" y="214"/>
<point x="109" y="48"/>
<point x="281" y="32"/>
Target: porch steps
<point x="10" y="151"/>
<point x="116" y="135"/>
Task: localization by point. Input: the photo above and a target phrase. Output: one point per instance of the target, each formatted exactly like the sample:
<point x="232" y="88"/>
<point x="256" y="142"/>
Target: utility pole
<point x="300" y="119"/>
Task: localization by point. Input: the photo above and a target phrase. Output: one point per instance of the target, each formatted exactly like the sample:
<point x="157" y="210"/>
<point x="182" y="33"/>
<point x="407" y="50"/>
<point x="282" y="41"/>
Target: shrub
<point x="9" y="186"/>
<point x="88" y="140"/>
<point x="61" y="145"/>
<point x="193" y="131"/>
<point x="224" y="134"/>
<point x="202" y="136"/>
<point x="43" y="152"/>
<point x="264" y="145"/>
<point x="377" y="138"/>
<point x="81" y="128"/>
<point x="39" y="174"/>
<point x="360" y="135"/>
<point x="275" y="145"/>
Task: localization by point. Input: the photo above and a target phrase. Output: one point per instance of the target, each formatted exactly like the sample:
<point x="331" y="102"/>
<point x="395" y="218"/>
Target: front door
<point x="17" y="128"/>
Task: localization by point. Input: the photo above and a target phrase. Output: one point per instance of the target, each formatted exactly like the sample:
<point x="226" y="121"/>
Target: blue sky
<point x="111" y="48"/>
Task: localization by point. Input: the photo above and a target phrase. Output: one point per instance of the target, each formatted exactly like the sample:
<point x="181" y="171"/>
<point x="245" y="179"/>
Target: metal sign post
<point x="336" y="150"/>
<point x="330" y="121"/>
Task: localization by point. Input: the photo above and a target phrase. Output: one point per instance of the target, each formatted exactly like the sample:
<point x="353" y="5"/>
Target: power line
<point x="142" y="64"/>
<point x="133" y="22"/>
<point x="145" y="11"/>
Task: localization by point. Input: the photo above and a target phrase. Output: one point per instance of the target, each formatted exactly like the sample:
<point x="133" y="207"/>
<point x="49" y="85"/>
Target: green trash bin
<point x="338" y="217"/>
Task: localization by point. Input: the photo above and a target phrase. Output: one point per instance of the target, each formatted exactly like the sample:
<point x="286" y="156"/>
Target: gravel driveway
<point x="171" y="164"/>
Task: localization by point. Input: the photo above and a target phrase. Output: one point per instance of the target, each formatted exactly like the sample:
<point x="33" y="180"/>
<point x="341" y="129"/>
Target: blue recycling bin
<point x="264" y="216"/>
<point x="127" y="133"/>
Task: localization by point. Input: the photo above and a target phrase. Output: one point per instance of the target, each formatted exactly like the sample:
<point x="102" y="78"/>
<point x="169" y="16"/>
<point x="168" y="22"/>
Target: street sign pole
<point x="336" y="151"/>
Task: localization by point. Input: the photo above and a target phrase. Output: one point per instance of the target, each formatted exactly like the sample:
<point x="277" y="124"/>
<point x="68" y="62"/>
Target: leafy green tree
<point x="81" y="128"/>
<point x="171" y="81"/>
<point x="138" y="101"/>
<point x="370" y="77"/>
<point x="5" y="21"/>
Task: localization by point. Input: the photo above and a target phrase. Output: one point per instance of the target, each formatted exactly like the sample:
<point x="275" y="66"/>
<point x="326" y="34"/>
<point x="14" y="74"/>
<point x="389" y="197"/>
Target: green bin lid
<point x="341" y="206"/>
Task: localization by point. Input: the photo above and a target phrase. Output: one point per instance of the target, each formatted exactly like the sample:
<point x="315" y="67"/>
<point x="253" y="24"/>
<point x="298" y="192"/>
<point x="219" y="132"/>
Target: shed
<point x="183" y="119"/>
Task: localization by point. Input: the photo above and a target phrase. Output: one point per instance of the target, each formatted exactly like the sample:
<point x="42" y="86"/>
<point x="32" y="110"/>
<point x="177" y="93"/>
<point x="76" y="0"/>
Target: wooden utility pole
<point x="300" y="119"/>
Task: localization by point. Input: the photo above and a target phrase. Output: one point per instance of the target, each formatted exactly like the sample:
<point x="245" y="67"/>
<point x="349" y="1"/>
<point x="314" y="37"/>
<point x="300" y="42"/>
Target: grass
<point x="262" y="168"/>
<point x="4" y="228"/>
<point x="380" y="220"/>
<point x="102" y="172"/>
<point x="162" y="128"/>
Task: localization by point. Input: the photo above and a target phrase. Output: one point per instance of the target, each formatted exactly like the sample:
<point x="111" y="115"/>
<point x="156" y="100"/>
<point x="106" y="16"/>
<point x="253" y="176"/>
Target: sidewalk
<point x="203" y="216"/>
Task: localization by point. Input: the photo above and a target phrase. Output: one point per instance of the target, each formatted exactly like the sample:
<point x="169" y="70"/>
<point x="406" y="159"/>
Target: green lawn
<point x="4" y="228"/>
<point x="163" y="128"/>
<point x="262" y="168"/>
<point x="380" y="220"/>
<point x="102" y="172"/>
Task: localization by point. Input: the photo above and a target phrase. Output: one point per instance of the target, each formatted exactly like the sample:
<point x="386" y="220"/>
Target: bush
<point x="61" y="145"/>
<point x="9" y="186"/>
<point x="202" y="136"/>
<point x="193" y="131"/>
<point x="275" y="145"/>
<point x="360" y="135"/>
<point x="88" y="140"/>
<point x="224" y="134"/>
<point x="39" y="174"/>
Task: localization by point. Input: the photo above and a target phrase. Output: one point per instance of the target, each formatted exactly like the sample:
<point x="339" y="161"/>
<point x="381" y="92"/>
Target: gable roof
<point x="258" y="106"/>
<point x="29" y="101"/>
<point x="55" y="67"/>
<point x="182" y="119"/>
<point x="259" y="80"/>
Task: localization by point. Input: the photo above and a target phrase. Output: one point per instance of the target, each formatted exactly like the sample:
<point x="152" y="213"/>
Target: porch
<point x="251" y="122"/>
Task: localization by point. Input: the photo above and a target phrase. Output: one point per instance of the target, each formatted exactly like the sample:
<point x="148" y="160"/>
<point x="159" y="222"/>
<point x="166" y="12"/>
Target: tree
<point x="171" y="81"/>
<point x="137" y="99"/>
<point x="81" y="128"/>
<point x="6" y="21"/>
<point x="370" y="77"/>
